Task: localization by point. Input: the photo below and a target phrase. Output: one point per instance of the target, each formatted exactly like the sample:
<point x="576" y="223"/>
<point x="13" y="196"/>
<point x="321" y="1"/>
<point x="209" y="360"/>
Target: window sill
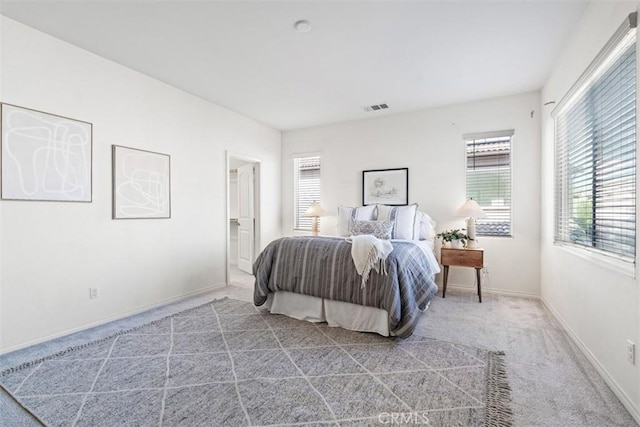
<point x="612" y="263"/>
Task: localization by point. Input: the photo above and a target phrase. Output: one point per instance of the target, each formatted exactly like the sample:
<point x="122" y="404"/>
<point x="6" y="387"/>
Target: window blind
<point x="489" y="180"/>
<point x="306" y="189"/>
<point x="595" y="136"/>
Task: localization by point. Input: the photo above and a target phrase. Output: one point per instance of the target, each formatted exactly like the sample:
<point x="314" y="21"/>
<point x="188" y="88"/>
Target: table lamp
<point x="471" y="210"/>
<point x="315" y="211"/>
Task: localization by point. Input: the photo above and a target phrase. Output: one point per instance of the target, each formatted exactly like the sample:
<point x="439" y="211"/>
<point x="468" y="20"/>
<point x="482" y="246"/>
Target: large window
<point x="489" y="180"/>
<point x="306" y="189"/>
<point x="595" y="133"/>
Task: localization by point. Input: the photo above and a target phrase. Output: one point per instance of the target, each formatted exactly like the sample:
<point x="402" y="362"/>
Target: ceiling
<point x="247" y="57"/>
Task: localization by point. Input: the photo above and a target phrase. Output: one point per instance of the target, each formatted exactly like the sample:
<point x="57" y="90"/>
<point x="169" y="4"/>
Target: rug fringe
<point x="498" y="412"/>
<point x="99" y="341"/>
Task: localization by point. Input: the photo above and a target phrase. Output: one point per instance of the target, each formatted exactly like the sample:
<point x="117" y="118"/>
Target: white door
<point x="245" y="218"/>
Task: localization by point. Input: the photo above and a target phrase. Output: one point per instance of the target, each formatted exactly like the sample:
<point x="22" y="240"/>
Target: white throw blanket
<point x="369" y="252"/>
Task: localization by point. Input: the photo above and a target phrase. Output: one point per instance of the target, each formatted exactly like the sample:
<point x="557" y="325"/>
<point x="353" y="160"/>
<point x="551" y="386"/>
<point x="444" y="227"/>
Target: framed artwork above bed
<point x="385" y="186"/>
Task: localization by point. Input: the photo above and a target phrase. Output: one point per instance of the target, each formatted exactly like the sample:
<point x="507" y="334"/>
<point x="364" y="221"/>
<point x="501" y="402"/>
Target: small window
<point x="306" y="189"/>
<point x="489" y="180"/>
<point x="595" y="136"/>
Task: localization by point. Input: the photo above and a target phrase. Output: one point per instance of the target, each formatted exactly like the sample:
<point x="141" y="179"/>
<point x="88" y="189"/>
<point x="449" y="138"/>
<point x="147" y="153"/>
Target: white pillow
<point x="346" y="215"/>
<point x="406" y="223"/>
<point x="427" y="227"/>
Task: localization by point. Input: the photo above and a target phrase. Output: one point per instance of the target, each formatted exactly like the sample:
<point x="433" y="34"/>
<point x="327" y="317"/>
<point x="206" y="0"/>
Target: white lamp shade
<point x="471" y="209"/>
<point x="315" y="210"/>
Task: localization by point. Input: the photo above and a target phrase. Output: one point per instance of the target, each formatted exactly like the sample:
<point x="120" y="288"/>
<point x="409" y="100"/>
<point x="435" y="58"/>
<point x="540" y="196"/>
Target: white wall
<point x="53" y="252"/>
<point x="597" y="305"/>
<point x="430" y="144"/>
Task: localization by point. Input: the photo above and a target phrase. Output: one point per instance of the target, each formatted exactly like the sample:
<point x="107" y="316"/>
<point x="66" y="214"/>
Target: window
<point x="306" y="189"/>
<point x="595" y="136"/>
<point x="489" y="180"/>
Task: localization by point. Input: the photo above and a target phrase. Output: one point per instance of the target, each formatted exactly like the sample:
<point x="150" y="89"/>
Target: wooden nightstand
<point x="461" y="258"/>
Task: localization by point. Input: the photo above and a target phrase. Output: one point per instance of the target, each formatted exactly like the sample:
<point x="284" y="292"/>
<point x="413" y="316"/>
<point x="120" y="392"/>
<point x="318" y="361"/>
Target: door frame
<point x="256" y="207"/>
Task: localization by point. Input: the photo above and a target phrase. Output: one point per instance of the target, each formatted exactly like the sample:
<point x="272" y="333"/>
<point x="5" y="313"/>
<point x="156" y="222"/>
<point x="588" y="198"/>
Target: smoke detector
<point x="302" y="26"/>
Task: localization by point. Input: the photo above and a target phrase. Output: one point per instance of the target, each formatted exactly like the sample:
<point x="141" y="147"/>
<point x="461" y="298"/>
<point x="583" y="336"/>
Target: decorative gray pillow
<point x="379" y="229"/>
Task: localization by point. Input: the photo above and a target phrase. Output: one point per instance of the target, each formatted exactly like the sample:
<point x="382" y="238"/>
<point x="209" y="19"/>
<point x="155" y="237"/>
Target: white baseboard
<point x="505" y="292"/>
<point x="633" y="409"/>
<point x="122" y="315"/>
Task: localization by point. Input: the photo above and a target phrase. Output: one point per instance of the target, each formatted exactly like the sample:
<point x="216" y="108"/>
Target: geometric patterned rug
<point x="227" y="363"/>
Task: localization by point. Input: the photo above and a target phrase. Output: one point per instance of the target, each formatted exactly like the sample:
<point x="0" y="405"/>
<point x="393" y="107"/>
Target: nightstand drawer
<point x="462" y="257"/>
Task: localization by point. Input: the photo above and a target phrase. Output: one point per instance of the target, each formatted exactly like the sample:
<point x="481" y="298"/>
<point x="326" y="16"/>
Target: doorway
<point x="243" y="218"/>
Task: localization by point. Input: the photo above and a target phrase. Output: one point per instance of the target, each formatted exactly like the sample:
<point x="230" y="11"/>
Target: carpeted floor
<point x="552" y="382"/>
<point x="226" y="363"/>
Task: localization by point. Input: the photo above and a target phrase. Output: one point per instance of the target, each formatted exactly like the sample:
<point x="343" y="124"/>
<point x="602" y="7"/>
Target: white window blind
<point x="306" y="189"/>
<point x="595" y="136"/>
<point x="489" y="180"/>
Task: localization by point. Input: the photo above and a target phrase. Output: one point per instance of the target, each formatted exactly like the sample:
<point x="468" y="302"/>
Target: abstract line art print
<point x="45" y="157"/>
<point x="141" y="184"/>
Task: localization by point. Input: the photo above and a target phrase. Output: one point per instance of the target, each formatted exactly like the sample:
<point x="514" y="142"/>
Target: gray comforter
<point x="323" y="267"/>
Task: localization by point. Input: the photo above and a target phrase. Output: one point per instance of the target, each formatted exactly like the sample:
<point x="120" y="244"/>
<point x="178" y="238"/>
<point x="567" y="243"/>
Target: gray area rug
<point x="226" y="363"/>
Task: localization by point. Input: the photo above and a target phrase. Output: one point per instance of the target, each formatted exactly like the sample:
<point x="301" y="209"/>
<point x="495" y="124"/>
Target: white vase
<point x="446" y="244"/>
<point x="457" y="244"/>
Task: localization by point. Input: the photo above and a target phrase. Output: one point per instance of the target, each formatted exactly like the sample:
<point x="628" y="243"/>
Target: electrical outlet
<point x="631" y="352"/>
<point x="93" y="293"/>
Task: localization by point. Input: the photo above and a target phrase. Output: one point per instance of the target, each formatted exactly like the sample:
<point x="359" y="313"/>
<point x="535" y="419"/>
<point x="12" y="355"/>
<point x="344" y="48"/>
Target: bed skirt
<point x="336" y="313"/>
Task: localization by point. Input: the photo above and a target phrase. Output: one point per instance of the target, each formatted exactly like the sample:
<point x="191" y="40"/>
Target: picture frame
<point x="385" y="186"/>
<point x="45" y="157"/>
<point x="141" y="182"/>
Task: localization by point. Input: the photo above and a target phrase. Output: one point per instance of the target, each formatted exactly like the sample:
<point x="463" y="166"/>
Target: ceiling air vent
<point x="375" y="107"/>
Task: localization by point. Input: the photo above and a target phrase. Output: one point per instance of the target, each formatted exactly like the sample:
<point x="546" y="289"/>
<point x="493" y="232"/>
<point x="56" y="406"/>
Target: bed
<point x="314" y="279"/>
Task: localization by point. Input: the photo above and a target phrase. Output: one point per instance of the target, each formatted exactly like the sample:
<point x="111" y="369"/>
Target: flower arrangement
<point x="450" y="235"/>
